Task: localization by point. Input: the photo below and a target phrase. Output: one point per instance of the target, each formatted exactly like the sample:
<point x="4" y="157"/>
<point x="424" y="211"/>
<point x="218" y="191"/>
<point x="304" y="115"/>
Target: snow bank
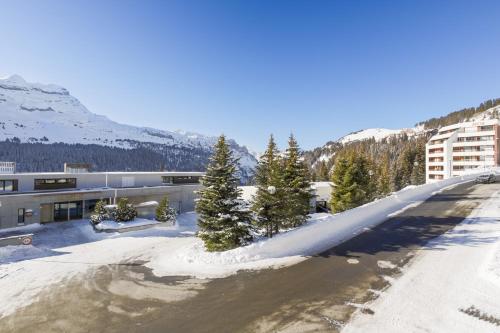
<point x="108" y="225"/>
<point x="322" y="232"/>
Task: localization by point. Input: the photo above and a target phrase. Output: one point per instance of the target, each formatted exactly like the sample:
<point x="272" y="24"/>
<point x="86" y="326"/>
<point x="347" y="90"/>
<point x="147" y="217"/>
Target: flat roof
<point x="163" y="173"/>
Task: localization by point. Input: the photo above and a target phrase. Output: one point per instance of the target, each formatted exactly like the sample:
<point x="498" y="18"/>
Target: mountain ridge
<point x="49" y="114"/>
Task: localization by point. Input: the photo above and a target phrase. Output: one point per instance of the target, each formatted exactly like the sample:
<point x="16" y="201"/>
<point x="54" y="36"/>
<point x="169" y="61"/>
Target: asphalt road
<point x="316" y="295"/>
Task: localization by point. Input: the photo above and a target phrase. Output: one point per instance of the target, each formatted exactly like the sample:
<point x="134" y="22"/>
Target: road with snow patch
<point x="318" y="294"/>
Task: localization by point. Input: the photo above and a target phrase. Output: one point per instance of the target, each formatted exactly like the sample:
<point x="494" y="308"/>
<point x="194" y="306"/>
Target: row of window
<point x="180" y="179"/>
<point x="8" y="185"/>
<point x="473" y="148"/>
<point x="55" y="183"/>
<point x="473" y="158"/>
<point x="476" y="138"/>
<point x="65" y="183"/>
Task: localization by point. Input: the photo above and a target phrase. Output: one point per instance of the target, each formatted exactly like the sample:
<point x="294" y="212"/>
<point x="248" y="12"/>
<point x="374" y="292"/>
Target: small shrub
<point x="100" y="213"/>
<point x="124" y="211"/>
<point x="164" y="213"/>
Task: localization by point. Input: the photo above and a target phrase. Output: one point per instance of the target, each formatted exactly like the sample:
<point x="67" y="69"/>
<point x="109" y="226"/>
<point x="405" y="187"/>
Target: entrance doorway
<point x="64" y="211"/>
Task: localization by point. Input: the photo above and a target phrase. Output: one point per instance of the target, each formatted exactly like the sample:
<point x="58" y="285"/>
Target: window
<point x="486" y="128"/>
<point x="167" y="180"/>
<point x="20" y="216"/>
<point x="9" y="185"/>
<point x="55" y="183"/>
<point x="180" y="180"/>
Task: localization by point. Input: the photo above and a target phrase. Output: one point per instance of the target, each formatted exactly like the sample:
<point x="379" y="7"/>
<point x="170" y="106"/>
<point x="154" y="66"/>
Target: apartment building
<point x="27" y="198"/>
<point x="459" y="148"/>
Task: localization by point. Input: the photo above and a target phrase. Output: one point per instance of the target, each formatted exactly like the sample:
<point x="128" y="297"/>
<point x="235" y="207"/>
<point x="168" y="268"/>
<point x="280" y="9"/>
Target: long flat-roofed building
<point x="459" y="148"/>
<point x="27" y="198"/>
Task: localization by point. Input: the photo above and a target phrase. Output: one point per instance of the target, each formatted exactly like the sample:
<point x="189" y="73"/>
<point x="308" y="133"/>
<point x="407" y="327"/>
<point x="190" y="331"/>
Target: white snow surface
<point x="376" y="133"/>
<point x="35" y="112"/>
<point x="109" y="225"/>
<point x="453" y="272"/>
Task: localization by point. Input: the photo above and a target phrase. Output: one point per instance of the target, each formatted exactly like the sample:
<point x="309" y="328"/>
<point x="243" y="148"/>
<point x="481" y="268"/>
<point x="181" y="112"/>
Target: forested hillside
<point x="396" y="160"/>
<point x="37" y="157"/>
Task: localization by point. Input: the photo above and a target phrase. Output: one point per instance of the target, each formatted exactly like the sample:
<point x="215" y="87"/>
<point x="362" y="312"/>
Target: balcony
<point x="473" y="143"/>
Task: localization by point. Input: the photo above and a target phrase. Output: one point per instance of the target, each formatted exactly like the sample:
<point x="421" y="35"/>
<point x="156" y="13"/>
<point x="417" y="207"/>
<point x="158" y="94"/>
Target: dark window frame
<point x="54" y="183"/>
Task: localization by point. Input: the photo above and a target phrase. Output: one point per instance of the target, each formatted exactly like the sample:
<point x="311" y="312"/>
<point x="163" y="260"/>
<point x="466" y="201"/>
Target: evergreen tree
<point x="164" y="213"/>
<point x="384" y="177"/>
<point x="223" y="220"/>
<point x="352" y="182"/>
<point x="323" y="173"/>
<point x="268" y="203"/>
<point x="297" y="191"/>
<point x="418" y="171"/>
<point x="124" y="211"/>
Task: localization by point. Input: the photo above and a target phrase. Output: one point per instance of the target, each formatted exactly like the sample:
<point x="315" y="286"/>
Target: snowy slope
<point x="34" y="112"/>
<point x="376" y="133"/>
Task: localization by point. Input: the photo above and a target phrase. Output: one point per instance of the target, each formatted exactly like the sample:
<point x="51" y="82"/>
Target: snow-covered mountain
<point x="47" y="113"/>
<point x="376" y="133"/>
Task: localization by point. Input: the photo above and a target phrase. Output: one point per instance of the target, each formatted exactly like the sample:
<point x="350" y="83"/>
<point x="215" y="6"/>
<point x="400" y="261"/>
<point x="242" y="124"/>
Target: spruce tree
<point x="384" y="177"/>
<point x="223" y="220"/>
<point x="268" y="203"/>
<point x="323" y="172"/>
<point x="164" y="213"/>
<point x="418" y="171"/>
<point x="352" y="182"/>
<point x="297" y="191"/>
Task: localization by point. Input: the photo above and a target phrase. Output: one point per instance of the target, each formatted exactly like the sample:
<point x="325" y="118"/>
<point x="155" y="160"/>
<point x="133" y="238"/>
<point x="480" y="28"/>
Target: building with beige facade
<point x="457" y="149"/>
<point x="27" y="198"/>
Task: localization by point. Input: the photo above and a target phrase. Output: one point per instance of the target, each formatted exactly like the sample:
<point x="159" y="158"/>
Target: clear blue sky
<point x="250" y="68"/>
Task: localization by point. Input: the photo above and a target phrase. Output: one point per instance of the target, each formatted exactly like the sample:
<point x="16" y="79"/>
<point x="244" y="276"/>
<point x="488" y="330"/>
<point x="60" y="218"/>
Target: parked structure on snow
<point x="27" y="198"/>
<point x="457" y="149"/>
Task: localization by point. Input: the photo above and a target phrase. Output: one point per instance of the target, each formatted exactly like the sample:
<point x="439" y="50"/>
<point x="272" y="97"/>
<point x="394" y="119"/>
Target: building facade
<point x="459" y="148"/>
<point x="27" y="198"/>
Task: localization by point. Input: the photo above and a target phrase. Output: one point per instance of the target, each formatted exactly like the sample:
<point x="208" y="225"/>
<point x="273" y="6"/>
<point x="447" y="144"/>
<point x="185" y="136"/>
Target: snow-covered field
<point x="451" y="282"/>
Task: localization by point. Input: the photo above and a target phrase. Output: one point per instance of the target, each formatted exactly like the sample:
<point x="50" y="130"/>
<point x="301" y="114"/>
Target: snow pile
<point x="451" y="283"/>
<point x="109" y="225"/>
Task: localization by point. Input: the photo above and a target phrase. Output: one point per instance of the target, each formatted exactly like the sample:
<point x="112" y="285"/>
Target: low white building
<point x="321" y="190"/>
<point x="459" y="148"/>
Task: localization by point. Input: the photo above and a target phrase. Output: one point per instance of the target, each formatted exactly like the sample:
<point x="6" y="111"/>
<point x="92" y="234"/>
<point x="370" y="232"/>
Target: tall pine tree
<point x="223" y="220"/>
<point x="297" y="191"/>
<point x="268" y="203"/>
<point x="353" y="184"/>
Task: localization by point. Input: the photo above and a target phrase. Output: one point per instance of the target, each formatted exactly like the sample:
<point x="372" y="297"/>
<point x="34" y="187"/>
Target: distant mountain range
<point x="33" y="114"/>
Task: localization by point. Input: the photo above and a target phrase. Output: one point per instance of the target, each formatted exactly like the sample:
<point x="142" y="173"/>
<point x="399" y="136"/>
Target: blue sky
<point x="250" y="68"/>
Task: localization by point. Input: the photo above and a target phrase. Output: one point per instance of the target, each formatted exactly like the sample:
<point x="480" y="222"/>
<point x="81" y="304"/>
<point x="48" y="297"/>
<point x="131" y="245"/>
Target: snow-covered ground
<point x="63" y="250"/>
<point x="451" y="282"/>
<point x="108" y="225"/>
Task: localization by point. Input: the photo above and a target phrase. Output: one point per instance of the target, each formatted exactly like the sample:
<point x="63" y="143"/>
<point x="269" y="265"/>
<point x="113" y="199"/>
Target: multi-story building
<point x="457" y="149"/>
<point x="60" y="196"/>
